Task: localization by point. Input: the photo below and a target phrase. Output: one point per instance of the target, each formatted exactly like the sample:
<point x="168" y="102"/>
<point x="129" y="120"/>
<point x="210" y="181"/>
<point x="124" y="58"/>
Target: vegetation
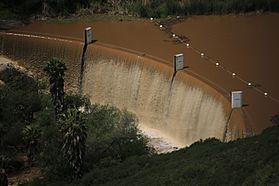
<point x="56" y="71"/>
<point x="99" y="145"/>
<point x="251" y="161"/>
<point x="6" y="12"/>
<point x="18" y="103"/>
<point x="159" y="8"/>
<point x="93" y="18"/>
<point x="65" y="146"/>
<point x="74" y="132"/>
<point x="142" y="8"/>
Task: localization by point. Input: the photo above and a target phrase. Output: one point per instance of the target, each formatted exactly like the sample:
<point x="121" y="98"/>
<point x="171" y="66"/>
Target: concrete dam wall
<point x="186" y="110"/>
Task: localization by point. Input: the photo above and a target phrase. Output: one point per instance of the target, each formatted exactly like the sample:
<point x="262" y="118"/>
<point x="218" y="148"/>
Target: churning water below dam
<point x="185" y="111"/>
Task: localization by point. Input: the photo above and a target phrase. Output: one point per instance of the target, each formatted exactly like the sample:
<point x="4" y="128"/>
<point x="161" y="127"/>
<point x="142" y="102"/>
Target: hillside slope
<point x="251" y="161"/>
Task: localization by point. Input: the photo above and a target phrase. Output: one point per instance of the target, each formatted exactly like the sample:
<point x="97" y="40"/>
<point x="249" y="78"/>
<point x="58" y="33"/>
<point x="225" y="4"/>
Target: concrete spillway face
<point x="182" y="110"/>
<point x="185" y="111"/>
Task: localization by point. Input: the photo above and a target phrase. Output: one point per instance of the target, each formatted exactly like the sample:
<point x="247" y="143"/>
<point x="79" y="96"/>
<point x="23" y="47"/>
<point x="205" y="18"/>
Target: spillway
<point x="186" y="110"/>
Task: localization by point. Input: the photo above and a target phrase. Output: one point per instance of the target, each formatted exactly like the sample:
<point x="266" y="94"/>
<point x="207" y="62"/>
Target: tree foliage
<point x="74" y="132"/>
<point x="56" y="71"/>
<point x="31" y="135"/>
<point x="142" y="8"/>
<point x="27" y="124"/>
<point x="19" y="102"/>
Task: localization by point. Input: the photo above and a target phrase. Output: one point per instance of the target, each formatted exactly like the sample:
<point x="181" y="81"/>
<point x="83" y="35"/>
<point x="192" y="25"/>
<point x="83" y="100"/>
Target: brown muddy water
<point x="247" y="45"/>
<point x="183" y="111"/>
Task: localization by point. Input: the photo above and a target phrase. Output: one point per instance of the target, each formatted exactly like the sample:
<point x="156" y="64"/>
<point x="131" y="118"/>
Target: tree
<point x="45" y="8"/>
<point x="74" y="131"/>
<point x="56" y="71"/>
<point x="31" y="135"/>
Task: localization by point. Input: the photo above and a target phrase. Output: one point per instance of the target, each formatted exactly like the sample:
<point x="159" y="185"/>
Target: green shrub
<point x="112" y="134"/>
<point x="152" y="8"/>
<point x="18" y="105"/>
<point x="159" y="8"/>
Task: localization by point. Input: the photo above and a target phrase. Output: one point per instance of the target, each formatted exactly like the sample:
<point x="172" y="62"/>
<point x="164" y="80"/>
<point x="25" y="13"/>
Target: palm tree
<point x="31" y="135"/>
<point x="56" y="71"/>
<point x="74" y="133"/>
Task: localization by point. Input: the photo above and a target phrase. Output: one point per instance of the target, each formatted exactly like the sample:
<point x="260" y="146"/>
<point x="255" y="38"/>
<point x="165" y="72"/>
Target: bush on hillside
<point x="27" y="124"/>
<point x="150" y="8"/>
<point x="18" y="105"/>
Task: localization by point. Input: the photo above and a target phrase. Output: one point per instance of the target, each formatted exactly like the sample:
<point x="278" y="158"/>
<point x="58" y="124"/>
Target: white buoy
<point x="202" y="54"/>
<point x="233" y="74"/>
<point x="151" y="19"/>
<point x="217" y="64"/>
<point x="187" y="44"/>
<point x="265" y="94"/>
<point x="173" y="35"/>
<point x="249" y="84"/>
<point x="161" y="26"/>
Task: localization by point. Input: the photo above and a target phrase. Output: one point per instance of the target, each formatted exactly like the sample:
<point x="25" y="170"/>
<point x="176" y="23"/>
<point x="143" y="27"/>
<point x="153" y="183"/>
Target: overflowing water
<point x="185" y="110"/>
<point x="35" y="52"/>
<point x="187" y="113"/>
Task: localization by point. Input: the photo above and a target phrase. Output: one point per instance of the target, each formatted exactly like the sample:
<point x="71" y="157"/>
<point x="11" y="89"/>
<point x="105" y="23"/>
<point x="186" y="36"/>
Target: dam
<point x="185" y="111"/>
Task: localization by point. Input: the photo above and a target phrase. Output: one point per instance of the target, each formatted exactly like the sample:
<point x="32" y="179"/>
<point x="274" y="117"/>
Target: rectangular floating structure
<point x="178" y="62"/>
<point x="88" y="35"/>
<point x="236" y="99"/>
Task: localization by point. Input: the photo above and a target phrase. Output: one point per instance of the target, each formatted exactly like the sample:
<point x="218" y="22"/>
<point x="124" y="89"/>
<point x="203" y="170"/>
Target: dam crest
<point x="186" y="111"/>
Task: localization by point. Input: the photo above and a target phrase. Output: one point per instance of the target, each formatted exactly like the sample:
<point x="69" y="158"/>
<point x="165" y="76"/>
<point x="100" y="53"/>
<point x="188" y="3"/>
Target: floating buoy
<point x="265" y="94"/>
<point x="233" y="74"/>
<point x="249" y="84"/>
<point x="202" y="54"/>
<point x="161" y="26"/>
<point x="187" y="44"/>
<point x="173" y="35"/>
<point x="217" y="64"/>
<point x="151" y="19"/>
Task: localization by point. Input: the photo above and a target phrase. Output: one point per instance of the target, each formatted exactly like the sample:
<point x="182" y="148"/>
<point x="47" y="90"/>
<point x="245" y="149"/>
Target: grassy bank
<point x="149" y="8"/>
<point x="93" y="18"/>
<point x="159" y="8"/>
<point x="251" y="161"/>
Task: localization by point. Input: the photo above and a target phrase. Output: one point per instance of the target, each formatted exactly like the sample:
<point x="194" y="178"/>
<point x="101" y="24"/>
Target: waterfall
<point x="182" y="110"/>
<point x="185" y="110"/>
